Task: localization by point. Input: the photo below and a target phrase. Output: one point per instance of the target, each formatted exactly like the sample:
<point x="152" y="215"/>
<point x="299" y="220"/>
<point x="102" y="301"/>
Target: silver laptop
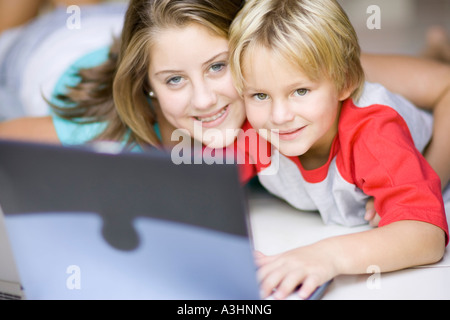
<point x="94" y="223"/>
<point x="83" y="224"/>
<point x="10" y="288"/>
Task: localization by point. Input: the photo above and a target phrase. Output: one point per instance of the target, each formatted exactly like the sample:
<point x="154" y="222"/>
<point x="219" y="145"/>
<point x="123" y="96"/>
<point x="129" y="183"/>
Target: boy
<point x="296" y="63"/>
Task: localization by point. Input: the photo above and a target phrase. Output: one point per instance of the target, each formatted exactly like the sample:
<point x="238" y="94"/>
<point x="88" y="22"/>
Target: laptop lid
<point x="10" y="288"/>
<point x="91" y="225"/>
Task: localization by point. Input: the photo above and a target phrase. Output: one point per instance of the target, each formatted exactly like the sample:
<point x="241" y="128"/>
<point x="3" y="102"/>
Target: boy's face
<point x="298" y="115"/>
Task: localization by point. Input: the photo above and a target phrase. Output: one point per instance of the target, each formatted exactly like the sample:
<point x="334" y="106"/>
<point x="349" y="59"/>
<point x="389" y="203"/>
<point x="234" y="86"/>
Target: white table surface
<point x="278" y="227"/>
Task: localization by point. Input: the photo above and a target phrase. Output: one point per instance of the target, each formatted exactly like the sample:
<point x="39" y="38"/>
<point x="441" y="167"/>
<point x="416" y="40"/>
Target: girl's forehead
<point x="184" y="35"/>
<point x="175" y="47"/>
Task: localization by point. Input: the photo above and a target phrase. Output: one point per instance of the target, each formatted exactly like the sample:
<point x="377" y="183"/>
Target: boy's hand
<point x="371" y="214"/>
<point x="281" y="274"/>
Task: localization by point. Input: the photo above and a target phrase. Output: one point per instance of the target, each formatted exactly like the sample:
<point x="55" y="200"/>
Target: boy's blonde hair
<point x="315" y="35"/>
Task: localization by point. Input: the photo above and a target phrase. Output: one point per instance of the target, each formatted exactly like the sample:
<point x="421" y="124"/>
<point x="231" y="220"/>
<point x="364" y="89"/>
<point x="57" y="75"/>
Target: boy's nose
<point x="281" y="113"/>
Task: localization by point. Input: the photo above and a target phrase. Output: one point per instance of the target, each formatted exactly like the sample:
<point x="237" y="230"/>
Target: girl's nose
<point x="204" y="96"/>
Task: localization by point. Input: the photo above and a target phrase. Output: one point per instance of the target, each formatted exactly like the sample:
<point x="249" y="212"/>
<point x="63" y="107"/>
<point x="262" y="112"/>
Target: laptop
<point x="94" y="223"/>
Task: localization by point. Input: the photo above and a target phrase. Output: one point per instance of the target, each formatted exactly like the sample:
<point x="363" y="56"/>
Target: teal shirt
<point x="71" y="133"/>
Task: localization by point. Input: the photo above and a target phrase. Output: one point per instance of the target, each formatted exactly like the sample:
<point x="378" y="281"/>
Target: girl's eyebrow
<point x="167" y="72"/>
<point x="215" y="57"/>
<point x="180" y="71"/>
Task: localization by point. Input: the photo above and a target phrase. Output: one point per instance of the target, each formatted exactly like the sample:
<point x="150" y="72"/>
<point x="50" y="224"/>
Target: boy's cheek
<point x="256" y="117"/>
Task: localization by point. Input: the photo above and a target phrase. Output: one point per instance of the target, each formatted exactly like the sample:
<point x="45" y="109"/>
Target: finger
<point x="309" y="285"/>
<point x="262" y="260"/>
<point x="258" y="254"/>
<point x="269" y="283"/>
<point x="370" y="214"/>
<point x="375" y="221"/>
<point x="370" y="209"/>
<point x="288" y="285"/>
<point x="267" y="267"/>
<point x="370" y="204"/>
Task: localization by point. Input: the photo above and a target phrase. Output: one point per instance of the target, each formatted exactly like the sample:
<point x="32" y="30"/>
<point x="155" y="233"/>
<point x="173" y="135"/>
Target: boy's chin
<point x="289" y="151"/>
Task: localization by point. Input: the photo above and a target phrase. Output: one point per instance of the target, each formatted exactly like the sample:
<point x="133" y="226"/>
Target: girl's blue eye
<point x="301" y="92"/>
<point x="217" y="67"/>
<point x="261" y="96"/>
<point x="174" y="80"/>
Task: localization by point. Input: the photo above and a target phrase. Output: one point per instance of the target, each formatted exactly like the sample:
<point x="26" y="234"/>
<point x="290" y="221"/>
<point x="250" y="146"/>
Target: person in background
<point x="41" y="40"/>
<point x="19" y="12"/>
<point x="438" y="45"/>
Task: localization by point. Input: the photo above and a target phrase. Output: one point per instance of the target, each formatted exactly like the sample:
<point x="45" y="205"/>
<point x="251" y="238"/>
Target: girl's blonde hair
<point x="314" y="35"/>
<point x="117" y="91"/>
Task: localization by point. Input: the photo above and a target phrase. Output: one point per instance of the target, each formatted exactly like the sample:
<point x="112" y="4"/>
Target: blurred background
<point x="37" y="45"/>
<point x="404" y="23"/>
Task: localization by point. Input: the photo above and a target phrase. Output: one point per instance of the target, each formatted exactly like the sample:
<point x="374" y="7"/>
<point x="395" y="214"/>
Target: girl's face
<point x="191" y="79"/>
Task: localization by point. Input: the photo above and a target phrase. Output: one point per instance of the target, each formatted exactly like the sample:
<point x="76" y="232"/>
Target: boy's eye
<point x="301" y="92"/>
<point x="260" y="96"/>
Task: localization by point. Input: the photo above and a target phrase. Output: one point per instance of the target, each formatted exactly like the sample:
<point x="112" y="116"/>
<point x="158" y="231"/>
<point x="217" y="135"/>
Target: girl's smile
<point x="214" y="119"/>
<point x="190" y="75"/>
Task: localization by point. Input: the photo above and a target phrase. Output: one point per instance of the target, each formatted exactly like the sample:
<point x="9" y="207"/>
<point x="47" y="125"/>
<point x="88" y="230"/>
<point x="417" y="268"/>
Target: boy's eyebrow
<point x="204" y="64"/>
<point x="251" y="90"/>
<point x="300" y="84"/>
<point x="247" y="88"/>
<point x="294" y="85"/>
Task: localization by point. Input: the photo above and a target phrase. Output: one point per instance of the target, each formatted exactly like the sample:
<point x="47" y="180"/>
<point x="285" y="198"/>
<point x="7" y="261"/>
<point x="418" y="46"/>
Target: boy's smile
<point x="281" y="99"/>
<point x="288" y="135"/>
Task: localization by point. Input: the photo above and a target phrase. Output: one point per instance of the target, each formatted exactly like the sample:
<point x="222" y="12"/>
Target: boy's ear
<point x="346" y="93"/>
